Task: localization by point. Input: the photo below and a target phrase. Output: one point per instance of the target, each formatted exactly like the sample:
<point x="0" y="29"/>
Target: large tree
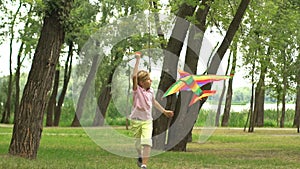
<point x="174" y="47"/>
<point x="28" y="125"/>
<point x="185" y="116"/>
<point x="169" y="70"/>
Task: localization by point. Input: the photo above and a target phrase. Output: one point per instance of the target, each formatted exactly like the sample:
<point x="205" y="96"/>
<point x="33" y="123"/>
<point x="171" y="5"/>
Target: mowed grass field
<point x="227" y="148"/>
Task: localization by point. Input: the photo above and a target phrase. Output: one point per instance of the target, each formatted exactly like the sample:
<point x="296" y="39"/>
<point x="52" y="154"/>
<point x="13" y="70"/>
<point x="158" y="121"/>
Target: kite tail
<point x="194" y="100"/>
<point x="205" y="93"/>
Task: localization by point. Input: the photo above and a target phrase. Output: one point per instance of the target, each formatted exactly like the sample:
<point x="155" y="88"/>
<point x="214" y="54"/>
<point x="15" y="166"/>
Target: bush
<point x="120" y="121"/>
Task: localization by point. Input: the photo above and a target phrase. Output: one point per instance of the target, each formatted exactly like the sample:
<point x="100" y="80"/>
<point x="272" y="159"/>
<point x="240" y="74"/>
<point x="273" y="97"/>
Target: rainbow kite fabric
<point x="194" y="83"/>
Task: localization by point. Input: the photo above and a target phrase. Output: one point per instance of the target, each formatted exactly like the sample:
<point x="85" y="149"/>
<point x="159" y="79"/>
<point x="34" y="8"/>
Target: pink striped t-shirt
<point x="142" y="104"/>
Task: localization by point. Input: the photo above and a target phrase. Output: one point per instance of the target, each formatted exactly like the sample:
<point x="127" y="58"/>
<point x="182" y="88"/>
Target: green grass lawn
<point x="226" y="148"/>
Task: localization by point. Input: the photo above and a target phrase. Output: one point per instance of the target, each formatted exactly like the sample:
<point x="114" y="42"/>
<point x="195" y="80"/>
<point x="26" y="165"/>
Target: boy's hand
<point x="138" y="55"/>
<point x="168" y="113"/>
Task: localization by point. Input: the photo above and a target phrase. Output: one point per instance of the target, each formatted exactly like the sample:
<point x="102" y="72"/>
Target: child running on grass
<point x="141" y="116"/>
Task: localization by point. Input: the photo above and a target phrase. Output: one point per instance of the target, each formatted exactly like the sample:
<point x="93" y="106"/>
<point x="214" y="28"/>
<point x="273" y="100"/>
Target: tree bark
<point x="185" y="116"/>
<point x="250" y="117"/>
<point x="284" y="91"/>
<point x="297" y="106"/>
<point x="169" y="73"/>
<point x="260" y="91"/>
<point x="28" y="126"/>
<point x="297" y="109"/>
<point x="19" y="64"/>
<point x="226" y="115"/>
<point x="259" y="102"/>
<point x="67" y="76"/>
<point x="17" y="78"/>
<point x="52" y="100"/>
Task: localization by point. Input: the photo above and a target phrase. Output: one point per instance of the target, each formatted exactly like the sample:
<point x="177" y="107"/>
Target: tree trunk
<point x="19" y="64"/>
<point x="226" y="115"/>
<point x="282" y="113"/>
<point x="284" y="91"/>
<point x="7" y="106"/>
<point x="67" y="76"/>
<point x="52" y="100"/>
<point x="103" y="101"/>
<point x="169" y="73"/>
<point x="105" y="93"/>
<point x="297" y="106"/>
<point x="250" y="113"/>
<point x="282" y="118"/>
<point x="260" y="91"/>
<point x="259" y="103"/>
<point x="7" y="110"/>
<point x="297" y="109"/>
<point x="233" y="27"/>
<point x="185" y="116"/>
<point x="277" y="105"/>
<point x="84" y="91"/>
<point x="17" y="79"/>
<point x="28" y="127"/>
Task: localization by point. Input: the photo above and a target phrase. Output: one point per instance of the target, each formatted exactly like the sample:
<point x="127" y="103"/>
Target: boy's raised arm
<point x="136" y="69"/>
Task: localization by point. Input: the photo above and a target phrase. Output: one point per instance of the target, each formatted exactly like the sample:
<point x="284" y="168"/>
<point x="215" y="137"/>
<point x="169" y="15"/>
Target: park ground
<point x="226" y="148"/>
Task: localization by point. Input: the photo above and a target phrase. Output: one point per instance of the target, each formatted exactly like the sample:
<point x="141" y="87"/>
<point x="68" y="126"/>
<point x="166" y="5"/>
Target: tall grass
<point x="238" y="119"/>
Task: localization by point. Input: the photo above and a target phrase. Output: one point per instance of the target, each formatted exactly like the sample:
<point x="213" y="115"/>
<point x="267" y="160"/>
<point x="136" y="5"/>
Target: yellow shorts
<point x="142" y="131"/>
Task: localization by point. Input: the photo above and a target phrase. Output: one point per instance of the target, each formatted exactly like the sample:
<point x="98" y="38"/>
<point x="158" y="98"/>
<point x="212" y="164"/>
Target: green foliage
<point x="272" y="45"/>
<point x="81" y="22"/>
<point x="67" y="115"/>
<point x="241" y="95"/>
<point x="238" y="119"/>
<point x="114" y="117"/>
<point x="119" y="121"/>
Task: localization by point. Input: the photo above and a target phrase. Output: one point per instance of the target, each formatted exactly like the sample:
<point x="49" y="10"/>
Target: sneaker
<point x="144" y="166"/>
<point x="139" y="161"/>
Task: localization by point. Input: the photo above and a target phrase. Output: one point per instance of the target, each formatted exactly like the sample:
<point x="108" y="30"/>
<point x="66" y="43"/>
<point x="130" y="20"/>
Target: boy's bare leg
<point x="146" y="154"/>
<point x="138" y="147"/>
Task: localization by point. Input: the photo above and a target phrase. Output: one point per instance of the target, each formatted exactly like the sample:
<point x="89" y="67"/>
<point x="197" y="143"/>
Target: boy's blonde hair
<point x="142" y="75"/>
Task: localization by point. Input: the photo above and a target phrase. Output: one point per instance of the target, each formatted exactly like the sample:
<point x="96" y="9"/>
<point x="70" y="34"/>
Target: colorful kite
<point x="194" y="83"/>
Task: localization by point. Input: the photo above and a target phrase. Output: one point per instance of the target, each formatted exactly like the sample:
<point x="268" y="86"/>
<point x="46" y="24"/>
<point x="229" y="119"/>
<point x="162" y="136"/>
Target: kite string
<point x="149" y="37"/>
